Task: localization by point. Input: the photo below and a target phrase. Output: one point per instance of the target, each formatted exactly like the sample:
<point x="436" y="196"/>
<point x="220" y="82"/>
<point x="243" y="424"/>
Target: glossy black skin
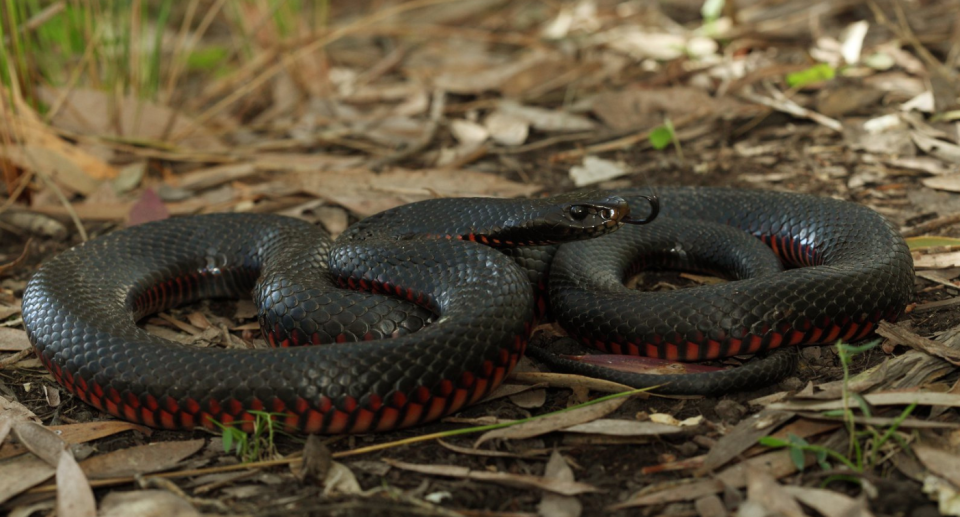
<point x="81" y="308"/>
<point x="847" y="269"/>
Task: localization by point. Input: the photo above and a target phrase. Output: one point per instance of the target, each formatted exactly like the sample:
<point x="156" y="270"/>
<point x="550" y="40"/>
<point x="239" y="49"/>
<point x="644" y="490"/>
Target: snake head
<point x="594" y="213"/>
<point x="581" y="215"/>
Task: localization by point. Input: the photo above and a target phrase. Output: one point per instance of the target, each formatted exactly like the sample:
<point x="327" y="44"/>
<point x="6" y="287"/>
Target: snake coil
<point x="847" y="269"/>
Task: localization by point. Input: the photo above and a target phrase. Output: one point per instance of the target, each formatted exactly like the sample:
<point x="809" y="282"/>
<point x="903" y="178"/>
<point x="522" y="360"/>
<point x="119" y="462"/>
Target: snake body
<point x="428" y="267"/>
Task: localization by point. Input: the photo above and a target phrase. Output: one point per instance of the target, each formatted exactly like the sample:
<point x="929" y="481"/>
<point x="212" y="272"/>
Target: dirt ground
<point x="744" y="143"/>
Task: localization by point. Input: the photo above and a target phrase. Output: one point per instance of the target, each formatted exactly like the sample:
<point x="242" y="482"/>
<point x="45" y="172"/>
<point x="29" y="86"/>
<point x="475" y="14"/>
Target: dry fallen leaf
<point x="366" y="193"/>
<point x="13" y="340"/>
<point x="148" y="208"/>
<point x="468" y="132"/>
<point x="35" y="224"/>
<point x="99" y="112"/>
<point x="553" y="422"/>
<point x="644" y="109"/>
<point x="507" y="129"/>
<point x="316" y="461"/>
<point x="214" y="176"/>
<point x="39" y="440"/>
<point x="23" y="473"/>
<point x="828" y="502"/>
<point x="340" y="480"/>
<point x="52" y="395"/>
<point x="555" y="505"/>
<point x="595" y="170"/>
<point x="39" y="148"/>
<point x="141" y="459"/>
<point x="942" y="463"/>
<point x="938" y="260"/>
<point x="743" y="436"/>
<point x="89" y="431"/>
<point x="6" y="425"/>
<point x="472" y="74"/>
<point x="946" y="151"/>
<point x="74" y="495"/>
<point x="642" y="44"/>
<point x="776" y="463"/>
<point x="763" y="489"/>
<point x="146" y="503"/>
<point x="614" y="427"/>
<point x="901" y="336"/>
<point x="502" y="478"/>
<point x="890" y="398"/>
<point x="546" y="120"/>
<point x="16" y="411"/>
<point x="530" y="399"/>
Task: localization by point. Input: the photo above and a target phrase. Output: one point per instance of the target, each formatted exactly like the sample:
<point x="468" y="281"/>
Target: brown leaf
<point x="710" y="506"/>
<point x="59" y="161"/>
<point x="52" y="395"/>
<point x="776" y="463"/>
<point x="99" y="112"/>
<point x="946" y="151"/>
<point x="471" y="72"/>
<point x="509" y="390"/>
<point x="148" y="208"/>
<point x="938" y="260"/>
<point x="366" y="193"/>
<point x="13" y="340"/>
<point x="554" y="422"/>
<point x="614" y="427"/>
<point x="887" y="398"/>
<point x="743" y="436"/>
<point x="119" y="211"/>
<point x="6" y="424"/>
<point x="317" y="460"/>
<point x="506" y="129"/>
<point x="74" y="495"/>
<point x="142" y="459"/>
<point x="19" y="474"/>
<point x="16" y="411"/>
<point x="214" y="176"/>
<point x="555" y="504"/>
<point x="33" y="223"/>
<point x="89" y="431"/>
<point x="146" y="503"/>
<point x="828" y="502"/>
<point x="502" y="478"/>
<point x="6" y="311"/>
<point x="340" y="480"/>
<point x="644" y="109"/>
<point x="43" y="150"/>
<point x="547" y="120"/>
<point x="305" y="163"/>
<point x="942" y="463"/>
<point x="566" y="380"/>
<point x="39" y="440"/>
<point x="763" y="489"/>
<point x="530" y="399"/>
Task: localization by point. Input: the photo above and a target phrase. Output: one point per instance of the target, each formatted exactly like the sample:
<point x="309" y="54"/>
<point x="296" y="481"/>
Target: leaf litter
<point x="335" y="115"/>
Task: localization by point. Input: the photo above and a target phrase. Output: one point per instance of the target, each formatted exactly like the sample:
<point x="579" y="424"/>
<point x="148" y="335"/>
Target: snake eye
<point x="608" y="213"/>
<point x="578" y="212"/>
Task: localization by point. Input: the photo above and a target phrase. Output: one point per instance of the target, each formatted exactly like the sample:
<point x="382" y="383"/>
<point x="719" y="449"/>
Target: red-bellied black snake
<point x="847" y="268"/>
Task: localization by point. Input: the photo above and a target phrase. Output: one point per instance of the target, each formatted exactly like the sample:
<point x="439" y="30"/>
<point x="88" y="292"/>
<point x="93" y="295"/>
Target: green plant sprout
<point x="817" y="73"/>
<point x="256" y="445"/>
<point x="865" y="443"/>
<point x="662" y="136"/>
